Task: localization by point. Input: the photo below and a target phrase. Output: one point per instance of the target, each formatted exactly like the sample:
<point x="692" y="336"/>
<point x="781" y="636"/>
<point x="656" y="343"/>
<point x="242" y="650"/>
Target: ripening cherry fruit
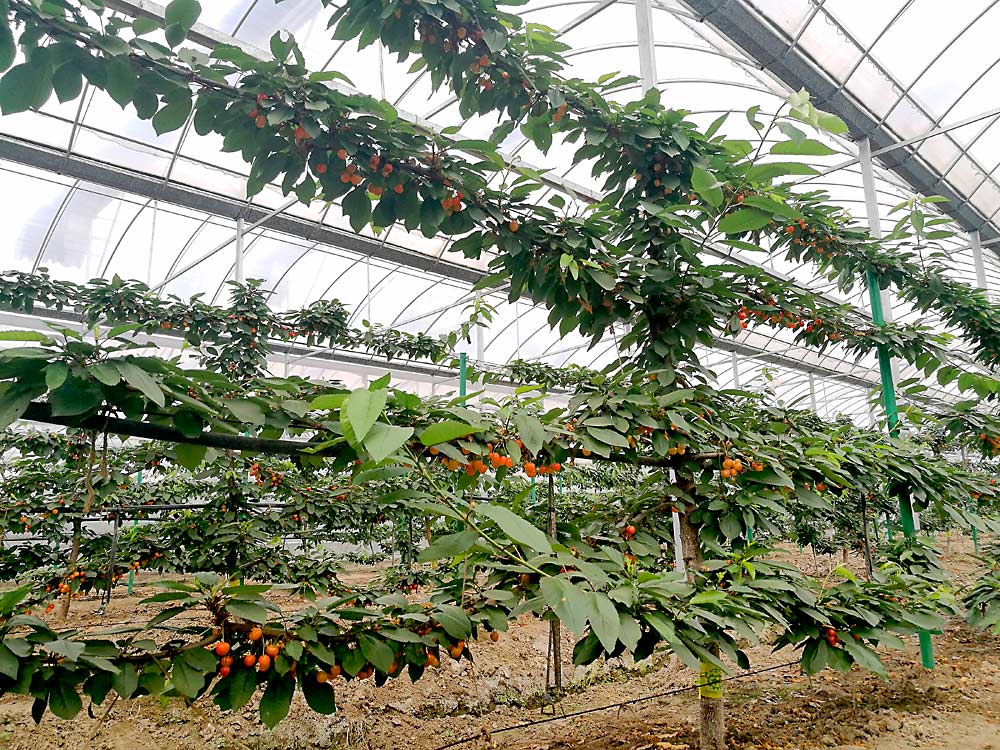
<point x="221" y="648"/>
<point x="224" y="672"/>
<point x="255" y="634"/>
<point x="271" y="650"/>
<point x="495" y="636"/>
<point x="264" y="663"/>
<point x="249" y="660"/>
<point x="630" y="530"/>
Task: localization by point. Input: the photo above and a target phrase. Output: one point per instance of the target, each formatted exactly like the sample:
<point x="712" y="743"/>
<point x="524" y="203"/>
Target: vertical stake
<point x="135" y="525"/>
<point x="463" y="368"/>
<point x="554" y="630"/>
<point x="885" y="364"/>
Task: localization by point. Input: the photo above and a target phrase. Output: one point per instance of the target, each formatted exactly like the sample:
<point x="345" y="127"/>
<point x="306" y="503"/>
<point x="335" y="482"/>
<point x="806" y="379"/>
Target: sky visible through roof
<point x="81" y="229"/>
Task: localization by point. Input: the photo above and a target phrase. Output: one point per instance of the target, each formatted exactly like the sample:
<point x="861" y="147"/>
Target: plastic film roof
<point x="92" y="220"/>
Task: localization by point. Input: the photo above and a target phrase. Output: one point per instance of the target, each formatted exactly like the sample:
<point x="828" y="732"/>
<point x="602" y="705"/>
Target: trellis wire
<point x="619" y="705"/>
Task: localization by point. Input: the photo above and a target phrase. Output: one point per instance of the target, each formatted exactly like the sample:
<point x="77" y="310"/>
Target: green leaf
<point x="178" y="18"/>
<point x="25" y="336"/>
<point x="708" y="597"/>
<point x="8" y="50"/>
<point x="604" y="619"/>
<point x="246" y="412"/>
<point x="383" y="440"/>
<point x="530" y="430"/>
<point x="568" y="602"/>
<point x="831" y="123"/>
<point x="64" y="701"/>
<point x="377" y="651"/>
<point x="56" y="374"/>
<point x="519" y="530"/>
<point x="25" y="86"/>
<point x="772" y="477"/>
<point x="665" y="628"/>
<point x="142" y="381"/>
<point x="242" y="686"/>
<point x="328" y="402"/>
<point x="75" y="397"/>
<point x="174" y="114"/>
<point x="444" y="432"/>
<point x="360" y="410"/>
<point x="67" y="82"/>
<point x="608" y="437"/>
<point x="249" y="611"/>
<point x="358" y="207"/>
<point x="706" y="185"/>
<point x="189" y="424"/>
<point x="864" y="657"/>
<point x="276" y="700"/>
<point x="189" y="456"/>
<point x="319" y="696"/>
<point x="187" y="679"/>
<point x="454" y="620"/>
<point x="8" y="662"/>
<point x="121" y="82"/>
<point x="765" y="173"/>
<point x="804" y="147"/>
<point x="126" y="681"/>
<point x="743" y="220"/>
<point x="450" y="545"/>
<point x="105" y="372"/>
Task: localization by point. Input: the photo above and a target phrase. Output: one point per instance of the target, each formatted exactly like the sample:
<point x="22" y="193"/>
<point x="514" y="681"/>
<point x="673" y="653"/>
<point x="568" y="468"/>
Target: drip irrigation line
<point x="622" y="704"/>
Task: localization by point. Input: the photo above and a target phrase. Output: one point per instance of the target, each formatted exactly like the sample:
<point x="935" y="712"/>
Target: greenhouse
<point x="479" y="374"/>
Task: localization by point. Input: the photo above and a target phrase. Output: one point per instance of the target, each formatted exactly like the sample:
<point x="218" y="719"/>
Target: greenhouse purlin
<point x="463" y="373"/>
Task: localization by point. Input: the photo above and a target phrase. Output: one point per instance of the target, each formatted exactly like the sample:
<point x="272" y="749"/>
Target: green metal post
<point x="135" y="524"/>
<point x="463" y="366"/>
<point x="892" y="420"/>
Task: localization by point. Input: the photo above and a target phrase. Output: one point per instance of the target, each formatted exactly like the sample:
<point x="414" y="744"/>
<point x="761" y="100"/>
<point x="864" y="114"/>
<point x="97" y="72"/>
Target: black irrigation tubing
<point x="622" y="704"/>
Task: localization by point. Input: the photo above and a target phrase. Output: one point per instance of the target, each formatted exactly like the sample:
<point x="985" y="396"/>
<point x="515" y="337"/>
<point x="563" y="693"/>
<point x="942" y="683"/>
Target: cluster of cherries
<point x="274" y="477"/>
<point x="993" y="441"/>
<point x="780" y="318"/>
<point x="250" y="660"/>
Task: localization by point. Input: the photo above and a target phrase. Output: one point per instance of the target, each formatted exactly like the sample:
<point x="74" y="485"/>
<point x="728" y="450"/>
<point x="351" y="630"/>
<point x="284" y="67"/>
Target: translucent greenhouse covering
<point x="92" y="191"/>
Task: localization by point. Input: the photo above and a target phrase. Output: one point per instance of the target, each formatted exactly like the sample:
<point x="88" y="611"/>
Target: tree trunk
<point x="843" y="555"/>
<point x="713" y="716"/>
<point x="712" y="710"/>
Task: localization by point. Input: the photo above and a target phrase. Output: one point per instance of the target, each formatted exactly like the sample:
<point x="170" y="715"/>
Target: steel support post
<point x="879" y="299"/>
<point x="977" y="261"/>
<point x="240" y="241"/>
<point x="645" y="42"/>
<point x="980" y="266"/>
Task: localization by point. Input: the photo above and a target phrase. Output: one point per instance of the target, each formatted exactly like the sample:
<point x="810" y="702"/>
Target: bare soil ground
<point x="955" y="707"/>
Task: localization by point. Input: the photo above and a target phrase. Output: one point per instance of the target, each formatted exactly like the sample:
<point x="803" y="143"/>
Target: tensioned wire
<point x="621" y="704"/>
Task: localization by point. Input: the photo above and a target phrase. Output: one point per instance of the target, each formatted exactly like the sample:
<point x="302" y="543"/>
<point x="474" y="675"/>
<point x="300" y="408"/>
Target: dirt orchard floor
<point x="956" y="707"/>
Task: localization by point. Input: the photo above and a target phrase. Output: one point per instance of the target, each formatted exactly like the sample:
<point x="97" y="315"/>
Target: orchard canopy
<point x="576" y="344"/>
